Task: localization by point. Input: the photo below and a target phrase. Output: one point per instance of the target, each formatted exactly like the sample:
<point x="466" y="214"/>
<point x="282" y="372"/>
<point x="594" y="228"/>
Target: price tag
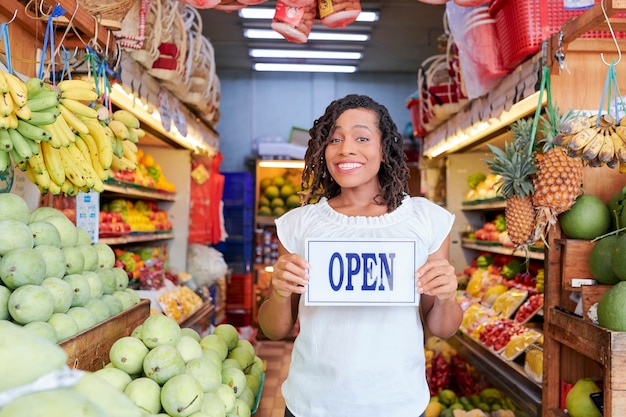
<point x="88" y="213"/>
<point x="379" y="272"/>
<point x="179" y="119"/>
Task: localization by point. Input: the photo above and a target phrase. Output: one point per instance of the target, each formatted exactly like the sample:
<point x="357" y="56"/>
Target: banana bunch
<point x="126" y="131"/>
<point x="597" y="141"/>
<point x="23" y="115"/>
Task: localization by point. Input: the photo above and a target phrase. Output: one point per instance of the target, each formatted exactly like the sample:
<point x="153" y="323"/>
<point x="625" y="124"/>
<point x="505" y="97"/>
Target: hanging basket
<point x="109" y="13"/>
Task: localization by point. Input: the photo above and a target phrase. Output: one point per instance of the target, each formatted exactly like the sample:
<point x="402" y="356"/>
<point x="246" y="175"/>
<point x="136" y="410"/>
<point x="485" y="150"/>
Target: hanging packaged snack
<point x="294" y="23"/>
<point x="338" y="13"/>
<point x="298" y="3"/>
<point x="229" y="5"/>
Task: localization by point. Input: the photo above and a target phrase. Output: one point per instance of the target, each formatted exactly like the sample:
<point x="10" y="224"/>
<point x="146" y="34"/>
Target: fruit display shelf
<point x="497" y="247"/>
<point x="511" y="376"/>
<point x="136" y="238"/>
<point x="128" y="189"/>
<point x="89" y="350"/>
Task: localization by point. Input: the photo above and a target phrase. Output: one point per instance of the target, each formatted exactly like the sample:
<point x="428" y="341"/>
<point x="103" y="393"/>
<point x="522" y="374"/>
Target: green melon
<point x="587" y="219"/>
<point x="612" y="308"/>
<point x="600" y="261"/>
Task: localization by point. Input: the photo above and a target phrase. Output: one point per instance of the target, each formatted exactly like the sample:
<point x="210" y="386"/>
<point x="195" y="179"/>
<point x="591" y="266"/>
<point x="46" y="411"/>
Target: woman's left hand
<point x="437" y="278"/>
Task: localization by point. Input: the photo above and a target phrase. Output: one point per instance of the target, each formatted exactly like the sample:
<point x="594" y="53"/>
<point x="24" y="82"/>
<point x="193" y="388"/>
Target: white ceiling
<point x="406" y="33"/>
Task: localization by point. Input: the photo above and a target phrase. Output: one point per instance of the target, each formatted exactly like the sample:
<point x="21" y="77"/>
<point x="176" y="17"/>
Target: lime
<point x="618" y="259"/>
<point x="587" y="219"/>
<point x="265" y="211"/>
<point x="264" y="201"/>
<point x="600" y="260"/>
<point x="279" y="181"/>
<point x="271" y="192"/>
<point x="286" y="190"/>
<point x="277" y="202"/>
<point x="293" y="201"/>
<point x="278" y="211"/>
<point x="265" y="182"/>
<point x="612" y="308"/>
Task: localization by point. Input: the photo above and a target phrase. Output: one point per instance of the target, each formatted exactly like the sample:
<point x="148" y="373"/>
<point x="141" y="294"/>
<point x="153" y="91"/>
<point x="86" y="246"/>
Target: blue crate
<point x="238" y="255"/>
<point x="239" y="222"/>
<point x="238" y="189"/>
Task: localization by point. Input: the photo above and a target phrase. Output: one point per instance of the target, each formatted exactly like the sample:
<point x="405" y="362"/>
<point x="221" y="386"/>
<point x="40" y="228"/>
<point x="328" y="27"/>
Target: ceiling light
<point x="261" y="66"/>
<point x="298" y="53"/>
<point x="325" y="36"/>
<point x="268" y="13"/>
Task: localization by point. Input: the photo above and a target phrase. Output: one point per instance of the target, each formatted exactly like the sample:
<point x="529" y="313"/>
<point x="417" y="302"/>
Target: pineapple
<point x="516" y="167"/>
<point x="559" y="176"/>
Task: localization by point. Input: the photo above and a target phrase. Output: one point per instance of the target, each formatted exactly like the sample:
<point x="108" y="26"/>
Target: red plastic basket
<point x="523" y="25"/>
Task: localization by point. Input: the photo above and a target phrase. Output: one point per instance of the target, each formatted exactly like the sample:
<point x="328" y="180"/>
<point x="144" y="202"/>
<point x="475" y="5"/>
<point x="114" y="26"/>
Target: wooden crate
<point x="575" y="261"/>
<point x="89" y="350"/>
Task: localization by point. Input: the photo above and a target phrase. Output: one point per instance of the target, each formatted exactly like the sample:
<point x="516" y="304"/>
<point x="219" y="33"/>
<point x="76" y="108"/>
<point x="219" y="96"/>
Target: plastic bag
<point x="474" y="32"/>
<point x="205" y="264"/>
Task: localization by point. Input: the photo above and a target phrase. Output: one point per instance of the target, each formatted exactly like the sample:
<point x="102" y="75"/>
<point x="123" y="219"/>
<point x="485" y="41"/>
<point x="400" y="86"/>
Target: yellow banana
<point x="122" y="164"/>
<point x="82" y="110"/>
<point x="130" y="151"/>
<point x="17" y="88"/>
<point x="82" y="164"/>
<point x="80" y="94"/>
<point x="65" y="129"/>
<point x="54" y="165"/>
<point x="54" y="188"/>
<point x="4" y="85"/>
<point x="619" y="145"/>
<point x="8" y="122"/>
<point x="83" y="148"/>
<point x="5" y="161"/>
<point x="37" y="162"/>
<point x="592" y="148"/>
<point x="55" y="137"/>
<point x="105" y="147"/>
<point x="6" y="105"/>
<point x="24" y="113"/>
<point x="575" y="125"/>
<point x="66" y="85"/>
<point x="73" y="120"/>
<point x="72" y="171"/>
<point x="582" y="138"/>
<point x="140" y="132"/>
<point x="5" y="141"/>
<point x="132" y="135"/>
<point x="561" y="139"/>
<point x="95" y="157"/>
<point x="126" y="117"/>
<point x="607" y="151"/>
<point x="68" y="188"/>
<point x="20" y="144"/>
<point x="119" y="129"/>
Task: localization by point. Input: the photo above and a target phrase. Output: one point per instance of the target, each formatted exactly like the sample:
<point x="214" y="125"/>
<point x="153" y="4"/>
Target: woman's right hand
<point x="290" y="275"/>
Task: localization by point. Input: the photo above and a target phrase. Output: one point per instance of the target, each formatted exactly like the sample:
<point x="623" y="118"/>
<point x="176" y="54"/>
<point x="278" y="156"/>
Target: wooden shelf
<point x="130" y="191"/>
<point x="492" y="205"/>
<point x="147" y="237"/>
<point x="503" y="250"/>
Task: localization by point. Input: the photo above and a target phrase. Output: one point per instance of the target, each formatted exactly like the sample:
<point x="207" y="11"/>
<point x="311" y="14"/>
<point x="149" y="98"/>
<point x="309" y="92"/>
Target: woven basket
<point x="109" y="13"/>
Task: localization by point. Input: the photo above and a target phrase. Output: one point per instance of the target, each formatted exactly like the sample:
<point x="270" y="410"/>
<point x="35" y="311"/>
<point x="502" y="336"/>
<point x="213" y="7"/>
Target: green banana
<point x="20" y="145"/>
<point x="44" y="101"/>
<point x="32" y="132"/>
<point x="5" y="161"/>
<point x="42" y="118"/>
<point x="5" y="141"/>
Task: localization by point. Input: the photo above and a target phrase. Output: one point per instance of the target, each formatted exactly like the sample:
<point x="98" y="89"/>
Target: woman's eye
<point x="362" y="139"/>
<point x="334" y="140"/>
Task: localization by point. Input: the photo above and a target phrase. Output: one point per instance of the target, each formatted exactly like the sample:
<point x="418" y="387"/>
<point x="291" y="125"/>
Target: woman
<point x="359" y="360"/>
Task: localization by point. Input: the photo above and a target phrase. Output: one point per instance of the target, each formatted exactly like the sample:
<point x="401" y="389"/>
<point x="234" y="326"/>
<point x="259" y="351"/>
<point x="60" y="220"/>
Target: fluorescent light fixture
<point x="268" y="13"/>
<point x="283" y="163"/>
<point x="297" y="53"/>
<point x="313" y="36"/>
<point x="261" y="66"/>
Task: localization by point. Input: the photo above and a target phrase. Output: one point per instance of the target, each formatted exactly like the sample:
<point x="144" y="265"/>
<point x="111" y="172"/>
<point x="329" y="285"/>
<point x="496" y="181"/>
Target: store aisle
<point x="277" y="355"/>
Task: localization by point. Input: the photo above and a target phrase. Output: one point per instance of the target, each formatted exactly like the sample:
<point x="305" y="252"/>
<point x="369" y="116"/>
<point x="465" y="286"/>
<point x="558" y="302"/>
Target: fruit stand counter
<point x="89" y="350"/>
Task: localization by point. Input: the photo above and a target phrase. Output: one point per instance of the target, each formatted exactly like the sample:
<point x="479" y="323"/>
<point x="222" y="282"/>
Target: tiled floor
<point x="277" y="355"/>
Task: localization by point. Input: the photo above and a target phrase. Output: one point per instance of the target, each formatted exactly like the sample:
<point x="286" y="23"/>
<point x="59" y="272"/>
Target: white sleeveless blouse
<point x="360" y="361"/>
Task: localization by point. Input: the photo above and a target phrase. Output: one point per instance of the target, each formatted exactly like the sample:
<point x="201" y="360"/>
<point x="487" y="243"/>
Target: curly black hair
<point x="393" y="174"/>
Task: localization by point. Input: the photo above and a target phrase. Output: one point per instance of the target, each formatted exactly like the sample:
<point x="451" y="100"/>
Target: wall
<point x="269" y="104"/>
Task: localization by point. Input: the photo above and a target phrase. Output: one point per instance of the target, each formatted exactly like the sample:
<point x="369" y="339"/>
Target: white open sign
<point x="377" y="272"/>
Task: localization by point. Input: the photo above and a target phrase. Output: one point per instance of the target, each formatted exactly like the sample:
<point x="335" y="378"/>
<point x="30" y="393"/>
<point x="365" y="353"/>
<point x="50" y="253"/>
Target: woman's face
<point x="354" y="150"/>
